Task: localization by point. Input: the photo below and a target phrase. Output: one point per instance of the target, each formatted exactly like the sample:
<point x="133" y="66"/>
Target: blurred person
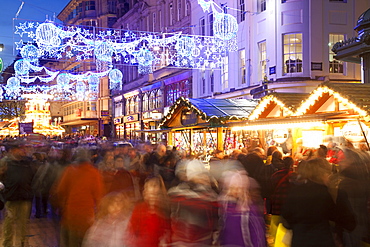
<point x="108" y="161"/>
<point x="79" y="192"/>
<point x="309" y="207"/>
<point x="194" y="207"/>
<point x="354" y="179"/>
<point x="17" y="179"/>
<point x="110" y="227"/>
<point x="253" y="161"/>
<point x="117" y="179"/>
<point x="235" y="153"/>
<point x="269" y="153"/>
<point x="241" y="215"/>
<point x="41" y="184"/>
<point x="264" y="173"/>
<point x="150" y="223"/>
<point x="217" y="166"/>
<point x="155" y="160"/>
<point x="280" y="186"/>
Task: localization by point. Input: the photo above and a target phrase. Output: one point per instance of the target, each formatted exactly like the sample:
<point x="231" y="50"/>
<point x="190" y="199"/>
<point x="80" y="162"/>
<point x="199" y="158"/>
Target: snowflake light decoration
<point x="146" y="50"/>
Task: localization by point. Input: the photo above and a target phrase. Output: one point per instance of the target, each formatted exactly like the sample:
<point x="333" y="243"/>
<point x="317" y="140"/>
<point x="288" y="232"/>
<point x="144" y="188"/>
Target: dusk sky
<point x="36" y="10"/>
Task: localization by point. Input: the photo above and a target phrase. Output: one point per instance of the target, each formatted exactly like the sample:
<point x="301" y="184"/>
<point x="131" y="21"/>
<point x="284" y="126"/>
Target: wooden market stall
<point x="296" y="121"/>
<point x="201" y="125"/>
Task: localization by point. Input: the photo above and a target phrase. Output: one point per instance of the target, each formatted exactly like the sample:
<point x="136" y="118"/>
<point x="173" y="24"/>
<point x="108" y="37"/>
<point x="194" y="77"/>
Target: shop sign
<point x="25" y="128"/>
<point x="117" y="120"/>
<point x="1" y="64"/>
<point x="316" y="66"/>
<point x="78" y="112"/>
<point x="272" y="70"/>
<point x="352" y="131"/>
<point x="189" y="118"/>
<point x="131" y="118"/>
<point x="280" y="135"/>
<point x="146" y="115"/>
<point x="104" y="113"/>
<point x="156" y="115"/>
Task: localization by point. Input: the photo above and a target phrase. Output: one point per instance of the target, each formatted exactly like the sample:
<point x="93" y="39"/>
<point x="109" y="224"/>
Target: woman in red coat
<point x="149" y="223"/>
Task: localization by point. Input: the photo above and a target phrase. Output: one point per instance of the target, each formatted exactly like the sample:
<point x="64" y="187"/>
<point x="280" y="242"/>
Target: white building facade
<point x="287" y="43"/>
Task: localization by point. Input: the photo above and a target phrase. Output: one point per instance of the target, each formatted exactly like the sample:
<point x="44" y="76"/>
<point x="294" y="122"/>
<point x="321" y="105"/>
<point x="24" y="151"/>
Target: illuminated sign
<point x="117" y="120"/>
<point x="280" y="135"/>
<point x="353" y="132"/>
<point x="1" y="64"/>
<point x="131" y="118"/>
<point x="104" y="113"/>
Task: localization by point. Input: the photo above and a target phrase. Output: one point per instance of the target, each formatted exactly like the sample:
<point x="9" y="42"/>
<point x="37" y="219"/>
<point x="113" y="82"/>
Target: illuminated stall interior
<point x="201" y="125"/>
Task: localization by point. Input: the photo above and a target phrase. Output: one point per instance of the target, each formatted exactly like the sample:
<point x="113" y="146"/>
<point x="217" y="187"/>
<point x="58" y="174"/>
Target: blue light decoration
<point x="63" y="80"/>
<point x="13" y="88"/>
<point x="80" y="91"/>
<point x="225" y="26"/>
<point x="115" y="79"/>
<point x="106" y="47"/>
<point x="21" y="67"/>
<point x="30" y="53"/>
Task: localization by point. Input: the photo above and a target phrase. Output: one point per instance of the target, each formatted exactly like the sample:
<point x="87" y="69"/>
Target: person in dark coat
<point x="18" y="195"/>
<point x="310" y="207"/>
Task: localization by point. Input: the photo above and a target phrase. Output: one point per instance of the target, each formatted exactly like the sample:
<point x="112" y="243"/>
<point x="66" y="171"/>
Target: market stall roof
<point x="278" y="105"/>
<point x="338" y="97"/>
<point x="213" y="109"/>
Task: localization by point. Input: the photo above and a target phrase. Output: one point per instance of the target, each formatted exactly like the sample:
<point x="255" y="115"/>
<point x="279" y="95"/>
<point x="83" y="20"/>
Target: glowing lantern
<point x="115" y="75"/>
<point x="144" y="57"/>
<point x="30" y="52"/>
<point x="225" y="26"/>
<point x="13" y="86"/>
<point x="21" y="67"/>
<point x="185" y="46"/>
<point x="104" y="52"/>
<point x="47" y="34"/>
<point x="63" y="82"/>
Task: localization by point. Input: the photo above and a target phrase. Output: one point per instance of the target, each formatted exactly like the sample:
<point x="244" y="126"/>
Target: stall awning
<point x="220" y="110"/>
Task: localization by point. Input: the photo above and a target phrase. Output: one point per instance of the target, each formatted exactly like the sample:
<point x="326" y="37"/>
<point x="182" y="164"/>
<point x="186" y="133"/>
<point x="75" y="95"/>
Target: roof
<point x="290" y="100"/>
<point x="357" y="93"/>
<point x="225" y="108"/>
<point x="218" y="109"/>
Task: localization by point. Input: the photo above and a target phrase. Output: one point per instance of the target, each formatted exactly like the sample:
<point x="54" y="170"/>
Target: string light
<point x="48" y="40"/>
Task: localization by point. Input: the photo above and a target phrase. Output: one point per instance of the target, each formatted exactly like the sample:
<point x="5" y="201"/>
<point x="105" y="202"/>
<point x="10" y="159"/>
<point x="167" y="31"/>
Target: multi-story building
<point x="144" y="98"/>
<point x="88" y="117"/>
<point x="284" y="44"/>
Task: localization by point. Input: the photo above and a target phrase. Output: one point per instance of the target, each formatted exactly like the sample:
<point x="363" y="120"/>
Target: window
<point x="335" y="66"/>
<point x="262" y="60"/>
<point x="112" y="8"/>
<point x="203" y="84"/>
<point x="225" y="72"/>
<point x="212" y="82"/>
<point x="159" y="99"/>
<point x="242" y="10"/>
<point x="90" y="5"/>
<point x="79" y="8"/>
<point x="160" y="19"/>
<point x="211" y="19"/>
<point x="152" y="105"/>
<point x="187" y="7"/>
<point x="242" y="70"/>
<point x="177" y="90"/>
<point x="171" y="14"/>
<point x="202" y="27"/>
<point x="145" y="102"/>
<point x="154" y="21"/>
<point x="292" y="52"/>
<point x="178" y="10"/>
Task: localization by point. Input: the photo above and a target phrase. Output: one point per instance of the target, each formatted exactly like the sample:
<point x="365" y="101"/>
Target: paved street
<point x="43" y="232"/>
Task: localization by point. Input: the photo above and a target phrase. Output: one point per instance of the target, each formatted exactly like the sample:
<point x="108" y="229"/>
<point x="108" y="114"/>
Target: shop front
<point x="131" y="125"/>
<point x="200" y="126"/>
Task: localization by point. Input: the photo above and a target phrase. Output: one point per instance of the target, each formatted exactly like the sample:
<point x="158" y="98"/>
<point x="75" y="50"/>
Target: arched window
<point x="159" y="100"/>
<point x="145" y="102"/>
<point x="152" y="100"/>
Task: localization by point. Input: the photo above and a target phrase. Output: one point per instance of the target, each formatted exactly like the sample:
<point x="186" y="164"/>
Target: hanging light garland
<point x="48" y="40"/>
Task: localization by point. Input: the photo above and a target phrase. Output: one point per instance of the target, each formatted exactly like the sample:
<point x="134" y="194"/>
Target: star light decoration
<point x="105" y="47"/>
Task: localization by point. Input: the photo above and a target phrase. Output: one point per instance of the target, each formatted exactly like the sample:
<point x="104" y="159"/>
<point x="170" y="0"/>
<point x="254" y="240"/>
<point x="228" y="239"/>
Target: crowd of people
<point x="156" y="195"/>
